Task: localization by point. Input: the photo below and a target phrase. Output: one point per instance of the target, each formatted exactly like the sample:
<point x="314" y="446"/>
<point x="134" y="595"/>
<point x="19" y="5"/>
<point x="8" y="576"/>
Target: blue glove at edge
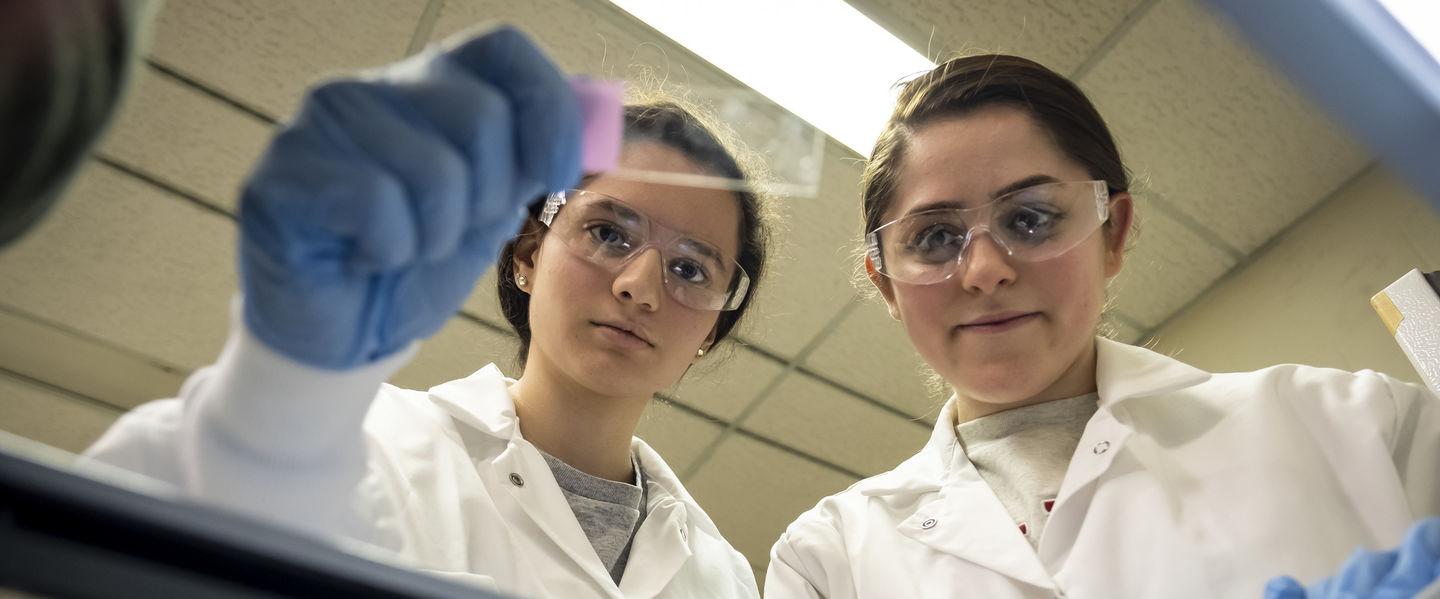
<point x="1397" y="573"/>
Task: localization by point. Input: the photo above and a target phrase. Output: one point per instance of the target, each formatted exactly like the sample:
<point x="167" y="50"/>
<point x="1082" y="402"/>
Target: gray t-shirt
<point x="1023" y="453"/>
<point x="609" y="512"/>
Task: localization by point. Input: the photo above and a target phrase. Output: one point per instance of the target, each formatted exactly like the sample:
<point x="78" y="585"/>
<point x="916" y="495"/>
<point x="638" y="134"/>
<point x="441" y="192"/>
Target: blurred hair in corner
<point x="64" y="66"/>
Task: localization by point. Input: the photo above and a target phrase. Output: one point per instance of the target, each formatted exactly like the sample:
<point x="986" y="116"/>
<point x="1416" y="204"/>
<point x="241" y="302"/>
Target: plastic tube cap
<point x="602" y="110"/>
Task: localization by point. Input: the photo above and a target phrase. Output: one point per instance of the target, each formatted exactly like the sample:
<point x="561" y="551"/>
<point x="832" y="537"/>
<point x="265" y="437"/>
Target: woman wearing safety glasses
<point x="1065" y="464"/>
<point x="364" y="228"/>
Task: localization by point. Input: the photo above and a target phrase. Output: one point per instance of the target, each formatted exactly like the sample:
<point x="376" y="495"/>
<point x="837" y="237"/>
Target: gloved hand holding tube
<point x="371" y="216"/>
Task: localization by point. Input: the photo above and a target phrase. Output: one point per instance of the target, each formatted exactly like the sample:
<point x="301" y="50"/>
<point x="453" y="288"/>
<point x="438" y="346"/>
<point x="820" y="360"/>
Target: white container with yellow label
<point x="1410" y="308"/>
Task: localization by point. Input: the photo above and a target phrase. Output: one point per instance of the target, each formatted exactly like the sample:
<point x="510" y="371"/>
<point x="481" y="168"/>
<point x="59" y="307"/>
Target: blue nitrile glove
<point x="1395" y="574"/>
<point x="370" y="217"/>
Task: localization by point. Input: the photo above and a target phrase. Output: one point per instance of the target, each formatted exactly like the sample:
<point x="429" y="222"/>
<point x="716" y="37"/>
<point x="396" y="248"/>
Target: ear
<point x="708" y="343"/>
<point x="882" y="283"/>
<point x="527" y="245"/>
<point x="1122" y="215"/>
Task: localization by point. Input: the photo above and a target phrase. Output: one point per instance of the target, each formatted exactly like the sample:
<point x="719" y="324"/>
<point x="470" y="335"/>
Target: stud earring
<point x="521" y="280"/>
<point x="700" y="353"/>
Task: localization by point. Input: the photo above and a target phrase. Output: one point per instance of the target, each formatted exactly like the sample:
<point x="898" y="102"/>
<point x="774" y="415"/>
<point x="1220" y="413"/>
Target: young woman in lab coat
<point x="364" y="228"/>
<point x="1065" y="464"/>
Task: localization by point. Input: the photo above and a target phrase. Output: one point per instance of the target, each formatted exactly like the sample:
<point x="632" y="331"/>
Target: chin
<point x="616" y="374"/>
<point x="1001" y="384"/>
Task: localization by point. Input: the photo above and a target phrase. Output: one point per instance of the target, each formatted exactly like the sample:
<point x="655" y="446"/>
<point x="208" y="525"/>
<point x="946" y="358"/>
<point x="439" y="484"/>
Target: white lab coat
<point x="1184" y="484"/>
<point x="441" y="479"/>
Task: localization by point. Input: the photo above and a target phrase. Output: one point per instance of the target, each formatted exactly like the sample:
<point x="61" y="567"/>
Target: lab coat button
<point x="1102" y="447"/>
<point x="928" y="524"/>
<point x="516" y="480"/>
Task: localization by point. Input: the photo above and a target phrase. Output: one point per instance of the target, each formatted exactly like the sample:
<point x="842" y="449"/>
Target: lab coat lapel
<point x="662" y="545"/>
<point x="482" y="402"/>
<point x="660" y="548"/>
<point x="542" y="500"/>
<point x="965" y="518"/>
<point x="1124" y="372"/>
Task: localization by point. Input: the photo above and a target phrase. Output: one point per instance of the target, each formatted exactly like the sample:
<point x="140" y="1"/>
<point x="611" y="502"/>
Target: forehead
<point x="969" y="157"/>
<point x="710" y="215"/>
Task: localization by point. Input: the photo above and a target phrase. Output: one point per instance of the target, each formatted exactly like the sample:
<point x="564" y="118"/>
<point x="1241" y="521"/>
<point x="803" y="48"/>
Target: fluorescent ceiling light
<point x="1421" y="18"/>
<point x="820" y="59"/>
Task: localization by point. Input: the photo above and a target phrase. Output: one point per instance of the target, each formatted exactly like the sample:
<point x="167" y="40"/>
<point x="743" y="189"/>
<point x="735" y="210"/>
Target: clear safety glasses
<point x="607" y="232"/>
<point x="1032" y="224"/>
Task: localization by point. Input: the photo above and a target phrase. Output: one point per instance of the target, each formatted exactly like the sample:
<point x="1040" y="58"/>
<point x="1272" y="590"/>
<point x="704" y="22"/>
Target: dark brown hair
<point x="669" y="123"/>
<point x="960" y="86"/>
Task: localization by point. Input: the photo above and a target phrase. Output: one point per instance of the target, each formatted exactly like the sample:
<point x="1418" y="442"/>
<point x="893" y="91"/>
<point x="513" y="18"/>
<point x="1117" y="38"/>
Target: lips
<point x="626" y="328"/>
<point x="997" y="322"/>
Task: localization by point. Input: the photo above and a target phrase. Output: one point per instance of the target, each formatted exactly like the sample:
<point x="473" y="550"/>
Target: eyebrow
<point x="622" y="210"/>
<point x="700" y="247"/>
<point x="703" y="249"/>
<point x="1013" y="187"/>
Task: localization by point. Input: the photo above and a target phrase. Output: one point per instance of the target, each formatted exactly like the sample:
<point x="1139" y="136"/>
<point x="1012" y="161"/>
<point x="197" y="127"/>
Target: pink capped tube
<point x="602" y="105"/>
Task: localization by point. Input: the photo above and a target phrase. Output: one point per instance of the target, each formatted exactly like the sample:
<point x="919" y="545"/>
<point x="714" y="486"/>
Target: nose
<point x="640" y="280"/>
<point x="984" y="265"/>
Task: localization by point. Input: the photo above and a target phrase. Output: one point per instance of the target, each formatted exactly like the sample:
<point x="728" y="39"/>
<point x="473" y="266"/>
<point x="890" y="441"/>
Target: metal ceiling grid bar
<point x="213" y="93"/>
<point x="790" y="367"/>
<point x="1121" y="30"/>
<point x="81" y="397"/>
<point x="425" y="27"/>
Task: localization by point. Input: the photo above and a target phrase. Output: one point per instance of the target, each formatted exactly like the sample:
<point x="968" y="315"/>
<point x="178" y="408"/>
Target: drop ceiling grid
<point x="1060" y="34"/>
<point x="821" y="421"/>
<point x="753" y="492"/>
<point x="265" y="52"/>
<point x="126" y="262"/>
<point x="36" y="411"/>
<point x="204" y="148"/>
<point x="1223" y="138"/>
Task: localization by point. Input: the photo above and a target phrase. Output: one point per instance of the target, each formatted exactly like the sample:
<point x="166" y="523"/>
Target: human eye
<point x="935" y="242"/>
<point x="609" y="236"/>
<point x="690" y="271"/>
<point x="1032" y="223"/>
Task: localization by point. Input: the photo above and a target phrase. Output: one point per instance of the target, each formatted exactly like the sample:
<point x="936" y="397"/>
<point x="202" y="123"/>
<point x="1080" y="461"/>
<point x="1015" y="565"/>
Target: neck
<point x="587" y="430"/>
<point x="1077" y="379"/>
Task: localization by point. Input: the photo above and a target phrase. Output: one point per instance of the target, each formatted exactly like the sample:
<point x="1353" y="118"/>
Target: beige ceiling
<point x="135" y="271"/>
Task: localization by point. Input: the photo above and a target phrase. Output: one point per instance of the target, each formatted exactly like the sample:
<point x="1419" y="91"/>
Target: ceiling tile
<point x="753" y="491"/>
<point x="818" y="419"/>
<point x="1059" y="33"/>
<point x="812" y="274"/>
<point x="458" y="350"/>
<point x="1306" y="299"/>
<point x="870" y="353"/>
<point x="593" y="38"/>
<point x="726" y="381"/>
<point x="128" y="264"/>
<point x="1167" y="265"/>
<point x="51" y="417"/>
<point x="75" y="361"/>
<point x="484" y="301"/>
<point x="265" y="52"/>
<point x="187" y="139"/>
<point x="1225" y="139"/>
<point x="677" y="436"/>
